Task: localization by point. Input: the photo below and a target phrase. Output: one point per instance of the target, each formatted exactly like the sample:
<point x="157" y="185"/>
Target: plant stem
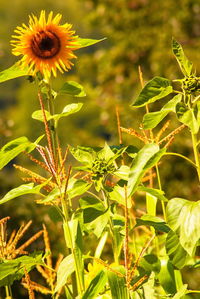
<point x="8" y="292"/>
<point x="160" y="187"/>
<point x="196" y="153"/>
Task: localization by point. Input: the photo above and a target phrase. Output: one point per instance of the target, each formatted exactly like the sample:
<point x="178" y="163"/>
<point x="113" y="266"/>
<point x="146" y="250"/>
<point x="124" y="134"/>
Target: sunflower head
<point x="45" y="45"/>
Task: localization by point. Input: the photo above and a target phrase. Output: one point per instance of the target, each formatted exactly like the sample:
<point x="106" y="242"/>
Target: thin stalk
<point x="8" y="292"/>
<point x="160" y="187"/>
<point x="196" y="153"/>
<point x="181" y="156"/>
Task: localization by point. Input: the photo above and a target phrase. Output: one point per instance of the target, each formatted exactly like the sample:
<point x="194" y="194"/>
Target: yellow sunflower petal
<point x="45" y="45"/>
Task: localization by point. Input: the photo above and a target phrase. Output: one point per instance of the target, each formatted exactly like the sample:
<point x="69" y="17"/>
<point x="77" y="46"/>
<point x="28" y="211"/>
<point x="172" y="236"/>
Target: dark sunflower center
<point x="45" y="44"/>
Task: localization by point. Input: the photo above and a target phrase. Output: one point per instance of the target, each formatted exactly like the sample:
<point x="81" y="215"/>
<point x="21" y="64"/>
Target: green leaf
<point x="149" y="263"/>
<point x="13" y="72"/>
<point x="84" y="155"/>
<point x="117" y="284"/>
<point x="146" y="158"/>
<point x="72" y="88"/>
<point x="166" y="276"/>
<point x="152" y="119"/>
<point x="183" y="218"/>
<point x="65" y="269"/>
<point x="159" y="194"/>
<point x="118" y="233"/>
<point x="96" y="285"/>
<point x="22" y="190"/>
<point x="158" y="223"/>
<point x="181" y="292"/>
<point x="12" y="270"/>
<point x="118" y="194"/>
<point x="188" y="118"/>
<point x="154" y="90"/>
<point x="184" y="63"/>
<point x="123" y="172"/>
<point x="85" y="42"/>
<point x="13" y="148"/>
<point x="69" y="109"/>
<point x="178" y="256"/>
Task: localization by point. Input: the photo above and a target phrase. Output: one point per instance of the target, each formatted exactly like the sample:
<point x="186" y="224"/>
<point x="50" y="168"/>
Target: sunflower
<point x="45" y="45"/>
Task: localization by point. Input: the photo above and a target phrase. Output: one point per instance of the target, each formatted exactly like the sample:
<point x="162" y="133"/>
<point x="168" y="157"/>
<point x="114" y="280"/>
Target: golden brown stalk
<point x="118" y="125"/>
<point x="27" y="243"/>
<point x="4" y="220"/>
<point x="47" y="130"/>
<point x="37" y="287"/>
<point x="176" y="131"/>
<point x="132" y="132"/>
<point x="99" y="261"/>
<point x="162" y="130"/>
<point x="138" y="283"/>
<point x="28" y="283"/>
<point x="23" y="228"/>
<point x="36" y="161"/>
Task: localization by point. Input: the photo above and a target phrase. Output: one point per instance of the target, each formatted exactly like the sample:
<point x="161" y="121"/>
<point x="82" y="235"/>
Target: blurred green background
<point x="138" y="32"/>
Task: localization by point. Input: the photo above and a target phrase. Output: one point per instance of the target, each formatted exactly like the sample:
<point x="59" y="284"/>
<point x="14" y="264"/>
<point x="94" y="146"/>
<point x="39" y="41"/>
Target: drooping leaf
<point x="72" y="88"/>
<point x="178" y="256"/>
<point x="158" y="223"/>
<point x="96" y="285"/>
<point x="14" y="269"/>
<point x="152" y="119"/>
<point x="117" y="284"/>
<point x="187" y="117"/>
<point x="65" y="269"/>
<point x="150" y="262"/>
<point x="13" y="72"/>
<point x="146" y="158"/>
<point x="86" y="42"/>
<point x="159" y="194"/>
<point x="184" y="63"/>
<point x="166" y="276"/>
<point x="22" y="190"/>
<point x="183" y="218"/>
<point x="13" y="148"/>
<point x="154" y="90"/>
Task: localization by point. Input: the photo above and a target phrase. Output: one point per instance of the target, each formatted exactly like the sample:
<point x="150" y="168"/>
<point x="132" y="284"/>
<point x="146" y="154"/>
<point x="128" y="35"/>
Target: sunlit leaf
<point x="22" y="190"/>
<point x="166" y="276"/>
<point x="183" y="218"/>
<point x="178" y="256"/>
<point x="72" y="88"/>
<point x="146" y="158"/>
<point x="86" y="42"/>
<point x="184" y="63"/>
<point x="187" y="117"/>
<point x="152" y="119"/>
<point x="159" y="194"/>
<point x="13" y="148"/>
<point x="154" y="90"/>
<point x="118" y="284"/>
<point x="13" y="72"/>
<point x="158" y="223"/>
<point x="150" y="263"/>
<point x="65" y="269"/>
<point x="96" y="285"/>
<point x="181" y="292"/>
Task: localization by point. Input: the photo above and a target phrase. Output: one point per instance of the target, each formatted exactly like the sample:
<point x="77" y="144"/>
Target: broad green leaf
<point x="118" y="194"/>
<point x="65" y="269"/>
<point x="183" y="291"/>
<point x="12" y="270"/>
<point x="13" y="72"/>
<point x="188" y="118"/>
<point x="69" y="109"/>
<point x="152" y="119"/>
<point x="91" y="202"/>
<point x="117" y="284"/>
<point x="72" y="88"/>
<point x="158" y="223"/>
<point x="151" y="203"/>
<point x="178" y="256"/>
<point x="84" y="155"/>
<point x="184" y="63"/>
<point x="118" y="233"/>
<point x="183" y="218"/>
<point x="123" y="172"/>
<point x="150" y="263"/>
<point x="86" y="42"/>
<point x="159" y="194"/>
<point x="96" y="285"/>
<point x="154" y="90"/>
<point x="13" y="148"/>
<point x="166" y="276"/>
<point x="146" y="158"/>
<point x="149" y="287"/>
<point x="22" y="190"/>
